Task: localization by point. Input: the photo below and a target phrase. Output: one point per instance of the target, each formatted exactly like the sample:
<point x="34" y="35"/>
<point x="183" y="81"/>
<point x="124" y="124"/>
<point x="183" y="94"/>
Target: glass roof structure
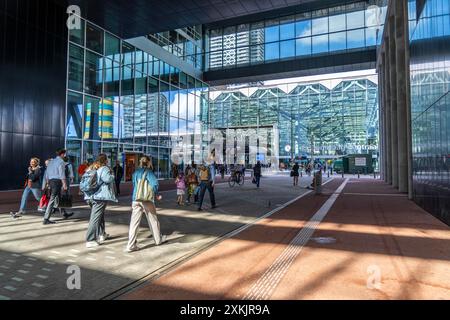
<point x="323" y="118"/>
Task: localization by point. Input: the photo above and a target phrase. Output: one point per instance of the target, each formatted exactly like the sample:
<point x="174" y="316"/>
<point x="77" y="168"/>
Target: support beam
<point x="401" y="86"/>
<point x="393" y="98"/>
<point x="387" y="113"/>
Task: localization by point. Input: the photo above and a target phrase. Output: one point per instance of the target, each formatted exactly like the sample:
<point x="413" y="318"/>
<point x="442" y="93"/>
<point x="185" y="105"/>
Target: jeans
<point x="203" y="187"/>
<point x="36" y="193"/>
<point x="96" y="226"/>
<point x="55" y="189"/>
<point x="258" y="179"/>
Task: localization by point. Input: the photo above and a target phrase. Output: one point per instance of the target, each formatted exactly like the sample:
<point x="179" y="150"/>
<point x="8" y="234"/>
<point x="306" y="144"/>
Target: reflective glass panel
<point x="94" y="38"/>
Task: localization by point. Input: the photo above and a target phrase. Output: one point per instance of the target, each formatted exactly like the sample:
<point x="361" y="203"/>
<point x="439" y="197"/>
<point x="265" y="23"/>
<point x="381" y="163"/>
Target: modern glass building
<point x="125" y="102"/>
<point x="332" y="117"/>
<point x="430" y="104"/>
<point x="300" y="34"/>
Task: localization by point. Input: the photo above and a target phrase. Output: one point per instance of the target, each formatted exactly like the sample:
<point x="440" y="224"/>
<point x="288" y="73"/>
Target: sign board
<point x="287" y="148"/>
<point x="360" y="162"/>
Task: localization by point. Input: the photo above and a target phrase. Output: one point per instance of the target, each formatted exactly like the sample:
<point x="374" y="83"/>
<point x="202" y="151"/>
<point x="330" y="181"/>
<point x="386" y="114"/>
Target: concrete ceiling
<point x="131" y="18"/>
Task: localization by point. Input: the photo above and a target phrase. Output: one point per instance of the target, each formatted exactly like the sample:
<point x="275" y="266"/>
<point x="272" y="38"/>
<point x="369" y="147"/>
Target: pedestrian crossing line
<point x="265" y="286"/>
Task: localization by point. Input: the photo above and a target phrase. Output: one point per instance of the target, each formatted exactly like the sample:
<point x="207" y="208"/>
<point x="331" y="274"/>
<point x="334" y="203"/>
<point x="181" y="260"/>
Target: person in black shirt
<point x="295" y="173"/>
<point x="32" y="185"/>
<point x="118" y="175"/>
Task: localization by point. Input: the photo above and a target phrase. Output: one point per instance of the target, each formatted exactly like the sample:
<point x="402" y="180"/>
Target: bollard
<point x="374" y="175"/>
<point x="342" y="174"/>
<point x="318" y="182"/>
<point x="358" y="174"/>
<point x="328" y="174"/>
<point x="301" y="174"/>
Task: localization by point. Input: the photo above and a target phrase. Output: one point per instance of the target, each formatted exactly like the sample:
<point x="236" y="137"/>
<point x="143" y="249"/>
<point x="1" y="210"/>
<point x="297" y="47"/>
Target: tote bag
<point x="144" y="190"/>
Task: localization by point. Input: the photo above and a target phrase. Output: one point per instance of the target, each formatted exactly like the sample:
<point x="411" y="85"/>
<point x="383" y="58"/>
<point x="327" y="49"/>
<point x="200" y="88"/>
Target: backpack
<point x="89" y="183"/>
<point x="144" y="191"/>
<point x="204" y="175"/>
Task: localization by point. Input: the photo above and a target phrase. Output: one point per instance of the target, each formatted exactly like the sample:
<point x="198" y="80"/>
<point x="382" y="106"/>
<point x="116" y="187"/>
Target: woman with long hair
<point x="32" y="185"/>
<point x="98" y="201"/>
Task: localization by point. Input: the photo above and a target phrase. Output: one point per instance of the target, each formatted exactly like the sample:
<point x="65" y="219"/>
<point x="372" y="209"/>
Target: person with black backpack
<point x="145" y="192"/>
<point x="97" y="184"/>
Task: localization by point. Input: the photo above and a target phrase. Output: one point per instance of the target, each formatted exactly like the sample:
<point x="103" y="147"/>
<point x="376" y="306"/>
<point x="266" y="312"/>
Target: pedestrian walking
<point x="145" y="192"/>
<point x="68" y="172"/>
<point x="55" y="180"/>
<point x="118" y="175"/>
<point x="181" y="188"/>
<point x="206" y="178"/>
<point x="32" y="185"/>
<point x="97" y="185"/>
<point x="192" y="183"/>
<point x="295" y="173"/>
<point x="257" y="173"/>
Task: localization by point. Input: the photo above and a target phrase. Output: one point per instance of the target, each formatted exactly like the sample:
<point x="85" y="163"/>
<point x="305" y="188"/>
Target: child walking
<point x="181" y="187"/>
<point x="192" y="186"/>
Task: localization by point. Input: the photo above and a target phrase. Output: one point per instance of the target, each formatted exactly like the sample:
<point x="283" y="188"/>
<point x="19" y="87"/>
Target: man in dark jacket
<point x="257" y="173"/>
<point x="118" y="175"/>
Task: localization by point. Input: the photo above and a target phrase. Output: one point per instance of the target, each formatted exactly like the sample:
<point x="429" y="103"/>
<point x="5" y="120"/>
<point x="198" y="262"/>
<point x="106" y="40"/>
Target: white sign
<point x="287" y="148"/>
<point x="360" y="162"/>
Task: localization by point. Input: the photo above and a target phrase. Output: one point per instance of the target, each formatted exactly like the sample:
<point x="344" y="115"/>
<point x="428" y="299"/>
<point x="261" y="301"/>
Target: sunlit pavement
<point x="361" y="239"/>
<point x="34" y="258"/>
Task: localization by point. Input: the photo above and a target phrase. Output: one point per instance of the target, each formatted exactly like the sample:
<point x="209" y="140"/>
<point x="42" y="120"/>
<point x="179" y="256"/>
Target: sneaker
<point x="15" y="215"/>
<point x="132" y="249"/>
<point x="199" y="209"/>
<point x="48" y="222"/>
<point x="92" y="244"/>
<point x="103" y="238"/>
<point x="163" y="240"/>
<point x="68" y="215"/>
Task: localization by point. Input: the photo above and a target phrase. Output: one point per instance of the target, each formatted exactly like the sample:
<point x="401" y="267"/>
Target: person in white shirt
<point x="55" y="178"/>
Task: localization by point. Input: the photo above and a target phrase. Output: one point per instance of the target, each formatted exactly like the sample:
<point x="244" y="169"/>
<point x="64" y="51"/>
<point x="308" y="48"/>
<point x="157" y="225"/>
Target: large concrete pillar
<point x="387" y="112"/>
<point x="393" y="98"/>
<point x="401" y="86"/>
<point x="381" y="121"/>
<point x="408" y="103"/>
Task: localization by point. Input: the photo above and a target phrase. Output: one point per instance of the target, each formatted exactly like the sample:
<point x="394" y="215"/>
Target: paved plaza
<point x="34" y="258"/>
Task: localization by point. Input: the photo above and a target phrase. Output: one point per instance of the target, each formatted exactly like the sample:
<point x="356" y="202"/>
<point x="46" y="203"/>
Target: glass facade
<point x="126" y="103"/>
<point x="430" y="105"/>
<point x="348" y="27"/>
<point x="185" y="43"/>
<point x="326" y="118"/>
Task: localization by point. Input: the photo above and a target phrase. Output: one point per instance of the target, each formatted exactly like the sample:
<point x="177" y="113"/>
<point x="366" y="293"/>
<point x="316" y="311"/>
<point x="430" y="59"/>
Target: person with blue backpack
<point x="145" y="192"/>
<point x="97" y="184"/>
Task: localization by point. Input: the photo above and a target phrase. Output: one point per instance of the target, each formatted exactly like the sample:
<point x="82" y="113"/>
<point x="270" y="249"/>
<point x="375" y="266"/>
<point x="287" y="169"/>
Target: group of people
<point x="57" y="175"/>
<point x="99" y="184"/>
<point x="195" y="181"/>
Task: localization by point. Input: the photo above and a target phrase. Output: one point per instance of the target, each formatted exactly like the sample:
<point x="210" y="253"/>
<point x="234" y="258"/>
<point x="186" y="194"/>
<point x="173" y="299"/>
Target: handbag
<point x="43" y="203"/>
<point x="254" y="180"/>
<point x="65" y="201"/>
<point x="292" y="173"/>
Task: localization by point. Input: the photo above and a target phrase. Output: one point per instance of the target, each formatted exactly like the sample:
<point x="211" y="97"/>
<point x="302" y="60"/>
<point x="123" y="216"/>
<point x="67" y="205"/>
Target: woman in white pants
<point x="145" y="190"/>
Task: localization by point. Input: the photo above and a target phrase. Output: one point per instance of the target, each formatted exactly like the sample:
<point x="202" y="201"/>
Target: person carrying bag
<point x="145" y="192"/>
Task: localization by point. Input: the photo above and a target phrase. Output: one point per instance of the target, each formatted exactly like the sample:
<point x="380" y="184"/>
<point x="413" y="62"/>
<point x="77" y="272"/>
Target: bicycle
<point x="236" y="177"/>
